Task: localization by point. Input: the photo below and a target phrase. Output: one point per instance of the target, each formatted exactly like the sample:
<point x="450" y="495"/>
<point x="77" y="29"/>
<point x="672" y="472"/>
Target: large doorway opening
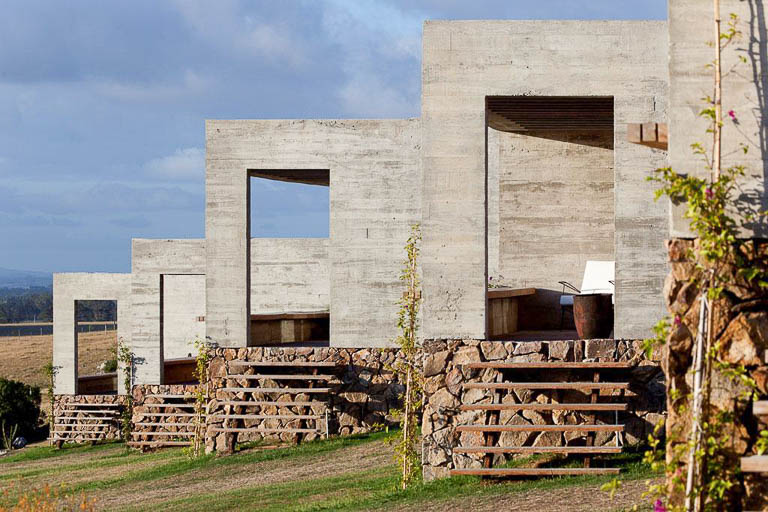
<point x="288" y="232"/>
<point x="550" y="172"/>
<point x="96" y="342"/>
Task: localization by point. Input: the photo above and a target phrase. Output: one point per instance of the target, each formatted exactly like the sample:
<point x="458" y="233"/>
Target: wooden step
<point x="521" y="472"/>
<point x="263" y="403"/>
<point x="85" y="418"/>
<point x="268" y="430"/>
<point x="160" y="406"/>
<point x="165" y="415"/>
<point x="160" y="443"/>
<point x="91" y="405"/>
<point x="586" y="450"/>
<point x="540" y="428"/>
<point x="262" y="376"/>
<point x="596" y="365"/>
<point x="267" y="416"/>
<point x="282" y="364"/>
<point x="760" y="408"/>
<point x="80" y="438"/>
<point x="755" y="464"/>
<point x="188" y="424"/>
<point x="175" y="396"/>
<point x="94" y="426"/>
<point x="162" y="434"/>
<point x="111" y="412"/>
<point x="544" y="407"/>
<point x="277" y="390"/>
<point x="547" y="385"/>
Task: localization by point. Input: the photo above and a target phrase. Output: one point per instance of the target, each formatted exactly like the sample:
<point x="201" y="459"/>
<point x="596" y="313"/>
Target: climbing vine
<point x="201" y="395"/>
<point x="701" y="471"/>
<point x="408" y="367"/>
<point x="126" y="359"/>
<point x="50" y="372"/>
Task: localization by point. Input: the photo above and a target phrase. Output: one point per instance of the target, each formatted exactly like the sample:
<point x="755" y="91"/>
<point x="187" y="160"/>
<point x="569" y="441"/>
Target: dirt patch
<point x="223" y="478"/>
<point x="567" y="499"/>
<point x="24" y="356"/>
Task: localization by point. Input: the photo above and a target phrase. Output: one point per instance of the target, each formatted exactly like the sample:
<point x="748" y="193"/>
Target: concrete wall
<point x="555" y="211"/>
<point x="69" y="288"/>
<point x="183" y="305"/>
<point x="464" y="62"/>
<point x="374" y="180"/>
<point x="691" y="30"/>
<point x="289" y="274"/>
<point x="152" y="262"/>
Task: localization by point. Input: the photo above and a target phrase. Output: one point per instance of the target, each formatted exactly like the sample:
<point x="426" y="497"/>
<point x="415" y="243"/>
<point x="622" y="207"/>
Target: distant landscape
<point x="23" y="279"/>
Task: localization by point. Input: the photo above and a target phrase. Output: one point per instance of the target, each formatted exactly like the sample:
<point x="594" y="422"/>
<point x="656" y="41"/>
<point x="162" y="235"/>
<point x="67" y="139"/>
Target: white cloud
<point x="183" y="164"/>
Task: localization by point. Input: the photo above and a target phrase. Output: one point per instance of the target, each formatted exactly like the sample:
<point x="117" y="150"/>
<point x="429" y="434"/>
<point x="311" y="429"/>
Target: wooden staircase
<point x="588" y="380"/>
<point x="85" y="422"/>
<point x="278" y="398"/>
<point x="757" y="463"/>
<point x="170" y="417"/>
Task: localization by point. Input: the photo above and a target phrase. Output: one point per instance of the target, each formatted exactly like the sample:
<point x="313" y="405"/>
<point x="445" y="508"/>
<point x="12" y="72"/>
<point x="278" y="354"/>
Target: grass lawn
<point x="351" y="473"/>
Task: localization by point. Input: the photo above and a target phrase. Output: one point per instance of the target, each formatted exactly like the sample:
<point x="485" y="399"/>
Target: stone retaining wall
<point x="366" y="392"/>
<point x="444" y="379"/>
<point x="64" y="402"/>
<point x="741" y="328"/>
<point x="143" y="395"/>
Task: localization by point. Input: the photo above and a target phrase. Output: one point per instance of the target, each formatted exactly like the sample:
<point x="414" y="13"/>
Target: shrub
<point x="19" y="406"/>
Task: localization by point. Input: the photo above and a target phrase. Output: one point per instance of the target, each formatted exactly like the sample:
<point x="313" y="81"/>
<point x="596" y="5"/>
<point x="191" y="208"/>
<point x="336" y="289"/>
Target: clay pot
<point x="593" y="315"/>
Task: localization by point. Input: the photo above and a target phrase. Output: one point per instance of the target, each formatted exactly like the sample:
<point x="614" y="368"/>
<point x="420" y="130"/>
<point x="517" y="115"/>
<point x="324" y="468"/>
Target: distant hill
<point x="24" y="279"/>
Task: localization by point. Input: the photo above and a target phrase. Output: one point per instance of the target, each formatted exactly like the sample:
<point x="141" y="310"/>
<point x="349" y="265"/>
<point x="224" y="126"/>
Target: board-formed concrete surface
<point x="375" y="197"/>
<point x="745" y="91"/>
<point x="183" y="314"/>
<point x="67" y="290"/>
<point x="152" y="261"/>
<point x="466" y="61"/>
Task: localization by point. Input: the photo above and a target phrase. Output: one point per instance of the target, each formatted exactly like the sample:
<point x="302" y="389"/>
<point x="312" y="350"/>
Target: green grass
<point x="47" y="452"/>
<point x="372" y="489"/>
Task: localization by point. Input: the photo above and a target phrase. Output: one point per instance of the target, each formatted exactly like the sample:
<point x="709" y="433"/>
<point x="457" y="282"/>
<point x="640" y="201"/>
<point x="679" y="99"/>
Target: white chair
<point x="599" y="277"/>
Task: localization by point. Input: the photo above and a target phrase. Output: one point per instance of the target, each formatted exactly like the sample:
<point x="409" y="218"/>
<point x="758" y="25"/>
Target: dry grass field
<point x="23" y="357"/>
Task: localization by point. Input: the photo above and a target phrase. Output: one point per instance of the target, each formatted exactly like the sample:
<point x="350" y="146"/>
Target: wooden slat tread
<point x="297" y="376"/>
<point x="160" y="406"/>
<point x="160" y="443"/>
<point x="91" y="405"/>
<point x="80" y="438"/>
<point x="86" y="418"/>
<point x="544" y="407"/>
<point x="277" y="390"/>
<point x="549" y="366"/>
<point x="267" y="416"/>
<point x="540" y="428"/>
<point x="167" y="425"/>
<point x="297" y="364"/>
<point x="162" y="434"/>
<point x="755" y="464"/>
<point x="268" y="430"/>
<point x="261" y="403"/>
<point x="165" y="414"/>
<point x="73" y="427"/>
<point x="538" y="449"/>
<point x="517" y="472"/>
<point x="111" y="412"/>
<point x="546" y="385"/>
<point x="177" y="396"/>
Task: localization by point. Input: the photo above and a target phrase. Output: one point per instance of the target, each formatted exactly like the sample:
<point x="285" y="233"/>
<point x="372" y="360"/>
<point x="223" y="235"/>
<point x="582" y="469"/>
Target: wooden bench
<point x="289" y="327"/>
<point x="503" y="310"/>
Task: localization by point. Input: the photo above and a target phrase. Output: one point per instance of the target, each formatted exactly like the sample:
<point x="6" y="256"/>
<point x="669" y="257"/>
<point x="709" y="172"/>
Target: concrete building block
<point x="68" y="288"/>
<point x="375" y="196"/>
<point x="466" y="61"/>
<point x="691" y="31"/>
<point x="152" y="261"/>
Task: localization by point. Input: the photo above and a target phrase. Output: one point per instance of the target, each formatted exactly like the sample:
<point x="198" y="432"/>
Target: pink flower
<point x="659" y="507"/>
<point x="708" y="193"/>
<point x="677" y="320"/>
<point x="732" y="114"/>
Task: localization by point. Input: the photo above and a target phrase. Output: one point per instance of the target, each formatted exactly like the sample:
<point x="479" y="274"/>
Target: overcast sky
<point x="102" y="105"/>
